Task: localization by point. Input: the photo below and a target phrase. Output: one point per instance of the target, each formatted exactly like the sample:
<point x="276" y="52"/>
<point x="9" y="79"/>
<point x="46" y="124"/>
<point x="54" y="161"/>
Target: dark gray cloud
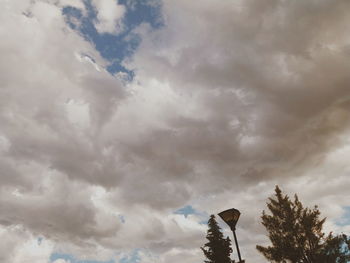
<point x="269" y="86"/>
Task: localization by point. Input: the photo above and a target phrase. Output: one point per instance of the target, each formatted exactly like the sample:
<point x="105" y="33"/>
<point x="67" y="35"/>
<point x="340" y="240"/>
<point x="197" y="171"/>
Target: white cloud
<point x="73" y="3"/>
<point x="62" y="261"/>
<point x="20" y="246"/>
<point x="78" y="113"/>
<point x="109" y="16"/>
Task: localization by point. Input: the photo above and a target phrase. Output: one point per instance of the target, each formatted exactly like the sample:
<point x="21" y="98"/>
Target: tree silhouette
<point x="218" y="249"/>
<point x="335" y="249"/>
<point x="296" y="234"/>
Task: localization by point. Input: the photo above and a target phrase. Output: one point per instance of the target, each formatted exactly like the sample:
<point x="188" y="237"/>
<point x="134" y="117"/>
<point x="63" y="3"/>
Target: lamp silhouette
<point x="231" y="216"/>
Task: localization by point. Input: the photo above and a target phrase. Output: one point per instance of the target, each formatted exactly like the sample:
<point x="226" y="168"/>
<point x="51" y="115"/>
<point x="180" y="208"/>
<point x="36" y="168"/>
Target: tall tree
<point x="296" y="234"/>
<point x="217" y="249"/>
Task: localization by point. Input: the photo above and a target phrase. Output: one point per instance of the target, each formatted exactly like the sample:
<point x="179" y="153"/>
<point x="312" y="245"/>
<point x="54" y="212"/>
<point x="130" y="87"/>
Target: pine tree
<point x="296" y="234"/>
<point x="218" y="249"/>
<point x="335" y="249"/>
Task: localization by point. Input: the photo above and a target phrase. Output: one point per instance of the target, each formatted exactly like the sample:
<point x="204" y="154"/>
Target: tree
<point x="335" y="249"/>
<point x="218" y="249"/>
<point x="296" y="234"/>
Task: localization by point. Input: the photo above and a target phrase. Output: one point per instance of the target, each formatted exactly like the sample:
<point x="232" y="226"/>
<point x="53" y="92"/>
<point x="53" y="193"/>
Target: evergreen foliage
<point x="217" y="249"/>
<point x="335" y="249"/>
<point x="296" y="234"/>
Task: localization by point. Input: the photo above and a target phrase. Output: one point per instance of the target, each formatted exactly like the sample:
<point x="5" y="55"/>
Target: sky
<point x="125" y="124"/>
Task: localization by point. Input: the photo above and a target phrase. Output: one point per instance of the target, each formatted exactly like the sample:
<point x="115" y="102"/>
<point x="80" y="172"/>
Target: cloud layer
<point x="228" y="99"/>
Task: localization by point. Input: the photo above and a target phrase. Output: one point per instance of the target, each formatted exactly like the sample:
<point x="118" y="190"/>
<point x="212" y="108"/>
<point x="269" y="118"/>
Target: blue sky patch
<point x="345" y="219"/>
<point x="116" y="47"/>
<point x="186" y="210"/>
<point x="189" y="210"/>
<point x="39" y="240"/>
<point x="132" y="258"/>
<point x="122" y="219"/>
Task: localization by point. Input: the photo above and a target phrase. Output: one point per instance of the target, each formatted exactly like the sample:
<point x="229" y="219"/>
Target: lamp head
<point x="230" y="216"/>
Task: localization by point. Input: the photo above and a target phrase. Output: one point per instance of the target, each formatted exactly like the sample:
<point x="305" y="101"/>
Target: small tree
<point x="218" y="249"/>
<point x="296" y="234"/>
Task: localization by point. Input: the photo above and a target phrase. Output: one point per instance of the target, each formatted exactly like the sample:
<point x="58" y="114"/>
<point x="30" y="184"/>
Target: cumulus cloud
<point x="254" y="100"/>
<point x="109" y="15"/>
<point x="228" y="99"/>
<point x="45" y="93"/>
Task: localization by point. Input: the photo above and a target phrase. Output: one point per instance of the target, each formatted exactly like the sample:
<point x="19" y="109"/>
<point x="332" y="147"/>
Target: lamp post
<point x="230" y="216"/>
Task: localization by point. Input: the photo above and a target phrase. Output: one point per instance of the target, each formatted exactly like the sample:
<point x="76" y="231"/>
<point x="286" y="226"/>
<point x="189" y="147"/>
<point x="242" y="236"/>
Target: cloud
<point x="76" y="4"/>
<point x="228" y="99"/>
<point x="253" y="99"/>
<point x="109" y="15"/>
<point x="45" y="93"/>
<point x="61" y="261"/>
<point x="20" y="246"/>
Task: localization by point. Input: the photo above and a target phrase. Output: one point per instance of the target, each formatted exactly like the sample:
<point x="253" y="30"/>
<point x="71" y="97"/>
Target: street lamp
<point x="230" y="216"/>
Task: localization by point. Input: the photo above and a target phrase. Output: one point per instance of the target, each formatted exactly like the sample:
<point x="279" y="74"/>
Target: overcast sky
<point x="124" y="125"/>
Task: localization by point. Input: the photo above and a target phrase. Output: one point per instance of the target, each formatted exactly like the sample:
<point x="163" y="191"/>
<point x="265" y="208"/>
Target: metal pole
<point x="239" y="253"/>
